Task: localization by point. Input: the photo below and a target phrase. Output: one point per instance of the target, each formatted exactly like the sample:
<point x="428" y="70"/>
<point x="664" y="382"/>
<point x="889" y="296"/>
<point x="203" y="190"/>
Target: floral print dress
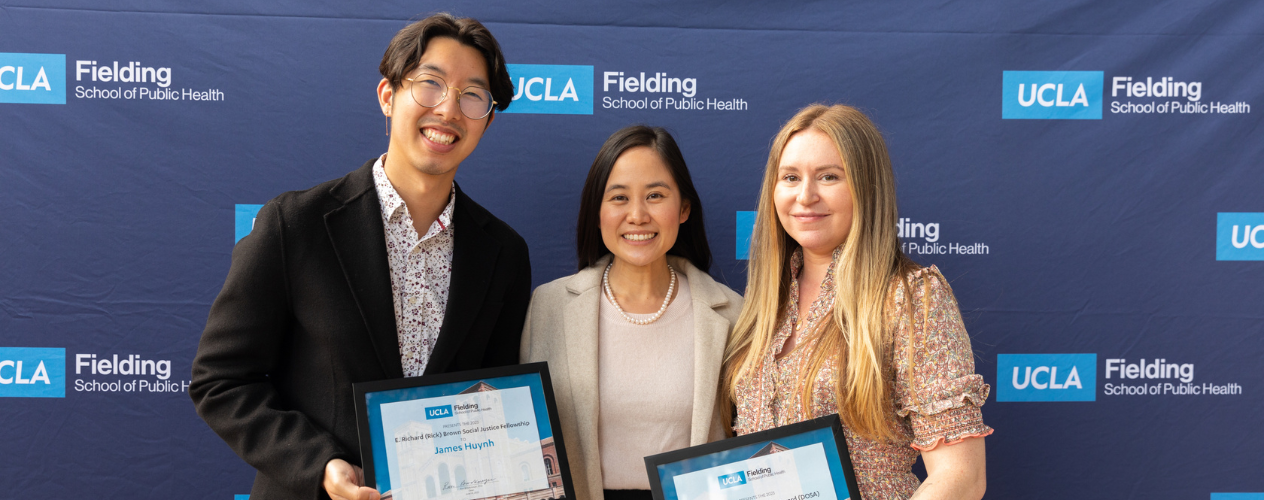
<point x="929" y="369"/>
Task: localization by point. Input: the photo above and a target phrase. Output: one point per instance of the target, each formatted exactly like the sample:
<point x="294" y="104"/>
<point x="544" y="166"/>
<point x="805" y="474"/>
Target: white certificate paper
<point x="477" y="444"/>
<point x="794" y="474"/>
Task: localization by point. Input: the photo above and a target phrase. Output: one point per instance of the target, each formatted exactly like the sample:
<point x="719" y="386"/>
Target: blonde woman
<point x="838" y="320"/>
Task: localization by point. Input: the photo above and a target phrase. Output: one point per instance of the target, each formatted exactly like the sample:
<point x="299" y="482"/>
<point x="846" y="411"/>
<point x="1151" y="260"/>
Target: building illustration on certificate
<point x="771" y="448"/>
<point x="482" y="443"/>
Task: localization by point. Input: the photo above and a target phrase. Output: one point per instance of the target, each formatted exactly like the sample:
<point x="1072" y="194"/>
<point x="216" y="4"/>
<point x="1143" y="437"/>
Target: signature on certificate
<point x="468" y="484"/>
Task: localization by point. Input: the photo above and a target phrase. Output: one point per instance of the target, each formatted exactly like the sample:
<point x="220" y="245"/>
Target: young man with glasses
<point x="388" y="272"/>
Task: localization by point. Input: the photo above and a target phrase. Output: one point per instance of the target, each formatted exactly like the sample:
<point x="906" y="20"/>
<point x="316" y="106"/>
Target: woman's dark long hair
<point x="691" y="241"/>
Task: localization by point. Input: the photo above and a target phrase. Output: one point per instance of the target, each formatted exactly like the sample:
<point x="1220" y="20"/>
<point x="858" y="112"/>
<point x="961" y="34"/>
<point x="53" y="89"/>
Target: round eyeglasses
<point x="431" y="90"/>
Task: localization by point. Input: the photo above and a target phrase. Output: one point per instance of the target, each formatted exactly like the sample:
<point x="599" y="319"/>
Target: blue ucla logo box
<point x="433" y="412"/>
<point x="32" y="372"/>
<point x="1046" y="377"/>
<point x="244" y="218"/>
<point x="735" y="479"/>
<point x="1051" y="95"/>
<point x="32" y="78"/>
<point x="551" y="89"/>
<point x="1240" y="236"/>
<point x="745" y="227"/>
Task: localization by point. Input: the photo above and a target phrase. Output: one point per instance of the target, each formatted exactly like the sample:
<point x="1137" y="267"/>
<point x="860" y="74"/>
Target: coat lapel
<point x="710" y="336"/>
<point x="474" y="256"/>
<point x="359" y="242"/>
<point x="581" y="333"/>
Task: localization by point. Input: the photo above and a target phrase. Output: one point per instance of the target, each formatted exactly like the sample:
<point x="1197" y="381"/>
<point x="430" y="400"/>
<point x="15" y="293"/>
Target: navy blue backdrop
<point x="1087" y="174"/>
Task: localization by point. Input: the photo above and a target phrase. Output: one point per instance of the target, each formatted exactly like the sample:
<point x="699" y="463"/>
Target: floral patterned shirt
<point x="421" y="270"/>
<point x="929" y="367"/>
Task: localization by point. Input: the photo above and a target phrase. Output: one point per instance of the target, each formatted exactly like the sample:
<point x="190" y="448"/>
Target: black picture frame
<point x="704" y="456"/>
<point x="400" y="389"/>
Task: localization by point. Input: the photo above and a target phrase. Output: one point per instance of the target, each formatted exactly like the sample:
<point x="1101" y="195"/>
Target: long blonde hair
<point x="856" y="334"/>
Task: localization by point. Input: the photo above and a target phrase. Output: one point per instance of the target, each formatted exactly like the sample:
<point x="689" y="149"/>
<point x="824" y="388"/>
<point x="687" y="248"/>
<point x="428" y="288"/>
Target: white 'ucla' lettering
<point x="568" y="91"/>
<point x="41" y="79"/>
<point x="1029" y="377"/>
<point x="40" y="374"/>
<point x="1248" y="236"/>
<point x="1038" y="95"/>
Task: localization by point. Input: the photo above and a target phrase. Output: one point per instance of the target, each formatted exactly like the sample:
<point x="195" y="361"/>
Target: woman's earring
<point x="388" y="124"/>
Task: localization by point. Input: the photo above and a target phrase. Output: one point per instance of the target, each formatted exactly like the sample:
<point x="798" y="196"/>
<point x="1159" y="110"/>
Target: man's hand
<point x="344" y="481"/>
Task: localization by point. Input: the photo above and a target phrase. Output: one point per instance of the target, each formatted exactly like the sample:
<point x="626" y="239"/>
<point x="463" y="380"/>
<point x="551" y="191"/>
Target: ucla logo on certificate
<point x="803" y="461"/>
<point x="472" y="435"/>
<point x="774" y="471"/>
<point x="486" y="446"/>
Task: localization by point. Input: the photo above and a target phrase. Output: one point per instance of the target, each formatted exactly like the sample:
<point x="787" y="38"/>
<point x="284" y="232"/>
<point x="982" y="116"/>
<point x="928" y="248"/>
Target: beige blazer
<point x="561" y="328"/>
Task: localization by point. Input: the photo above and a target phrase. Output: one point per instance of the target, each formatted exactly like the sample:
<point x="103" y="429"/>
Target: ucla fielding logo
<point x="32" y="372"/>
<point x="433" y="412"/>
<point x="1240" y="236"/>
<point x="551" y="89"/>
<point x="1046" y="377"/>
<point x="735" y="479"/>
<point x="32" y="78"/>
<point x="1051" y="95"/>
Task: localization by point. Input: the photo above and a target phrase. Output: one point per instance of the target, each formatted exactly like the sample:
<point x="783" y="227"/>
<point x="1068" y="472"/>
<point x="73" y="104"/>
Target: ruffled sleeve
<point x="936" y="388"/>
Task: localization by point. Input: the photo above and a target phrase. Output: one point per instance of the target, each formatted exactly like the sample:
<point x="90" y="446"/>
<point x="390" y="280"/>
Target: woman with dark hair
<point x="635" y="339"/>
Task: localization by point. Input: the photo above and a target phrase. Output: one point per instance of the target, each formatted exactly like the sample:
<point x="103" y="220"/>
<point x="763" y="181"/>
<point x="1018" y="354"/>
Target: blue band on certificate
<point x="486" y="434"/>
<point x="803" y="461"/>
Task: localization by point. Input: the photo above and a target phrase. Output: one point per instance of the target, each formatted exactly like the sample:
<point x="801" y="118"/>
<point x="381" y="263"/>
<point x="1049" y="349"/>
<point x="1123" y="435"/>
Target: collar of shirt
<point x="394" y="209"/>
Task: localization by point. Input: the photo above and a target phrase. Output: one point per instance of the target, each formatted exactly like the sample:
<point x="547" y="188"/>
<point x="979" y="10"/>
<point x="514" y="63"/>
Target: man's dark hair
<point x="403" y="55"/>
<point x="691" y="241"/>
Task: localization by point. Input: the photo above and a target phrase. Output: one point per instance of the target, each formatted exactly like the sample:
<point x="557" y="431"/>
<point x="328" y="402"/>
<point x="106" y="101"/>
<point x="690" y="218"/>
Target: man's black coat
<point x="307" y="310"/>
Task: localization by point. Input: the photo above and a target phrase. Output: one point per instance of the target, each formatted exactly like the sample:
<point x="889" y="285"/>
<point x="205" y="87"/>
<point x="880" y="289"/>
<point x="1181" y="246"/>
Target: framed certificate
<point x="803" y="461"/>
<point x="471" y="435"/>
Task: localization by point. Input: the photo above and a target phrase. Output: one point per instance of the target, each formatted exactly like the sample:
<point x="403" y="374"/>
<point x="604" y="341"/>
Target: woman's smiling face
<point x="641" y="208"/>
<point x="812" y="198"/>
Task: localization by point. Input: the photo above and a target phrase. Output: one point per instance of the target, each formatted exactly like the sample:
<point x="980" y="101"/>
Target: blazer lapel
<point x="359" y="242"/>
<point x="474" y="254"/>
<point x="581" y="333"/>
<point x="710" y="336"/>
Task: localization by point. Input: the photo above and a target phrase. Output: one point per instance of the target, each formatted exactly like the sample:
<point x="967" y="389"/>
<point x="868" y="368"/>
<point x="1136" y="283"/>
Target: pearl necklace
<point x="605" y="282"/>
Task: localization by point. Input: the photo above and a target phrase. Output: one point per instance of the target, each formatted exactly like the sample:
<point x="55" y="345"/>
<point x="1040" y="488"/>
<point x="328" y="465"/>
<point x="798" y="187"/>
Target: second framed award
<point x="472" y="435"/>
<point x="803" y="461"/>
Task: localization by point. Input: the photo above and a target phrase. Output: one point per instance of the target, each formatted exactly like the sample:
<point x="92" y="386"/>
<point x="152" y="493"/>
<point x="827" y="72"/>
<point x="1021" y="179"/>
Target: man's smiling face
<point x="436" y="140"/>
